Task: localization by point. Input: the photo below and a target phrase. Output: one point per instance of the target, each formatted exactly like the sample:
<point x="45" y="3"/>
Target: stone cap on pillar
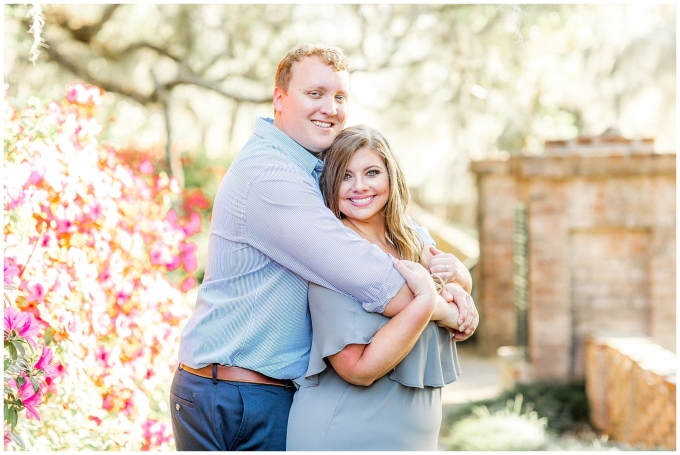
<point x="610" y="142"/>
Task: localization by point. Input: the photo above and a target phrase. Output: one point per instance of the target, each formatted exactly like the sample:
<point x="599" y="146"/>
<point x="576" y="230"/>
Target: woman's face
<point x="365" y="187"/>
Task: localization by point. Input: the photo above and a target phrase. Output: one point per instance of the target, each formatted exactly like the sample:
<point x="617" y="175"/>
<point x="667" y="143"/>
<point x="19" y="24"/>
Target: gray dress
<point x="400" y="411"/>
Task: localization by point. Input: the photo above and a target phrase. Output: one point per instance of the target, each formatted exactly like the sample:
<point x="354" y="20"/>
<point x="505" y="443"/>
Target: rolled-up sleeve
<point x="424" y="234"/>
<point x="286" y="220"/>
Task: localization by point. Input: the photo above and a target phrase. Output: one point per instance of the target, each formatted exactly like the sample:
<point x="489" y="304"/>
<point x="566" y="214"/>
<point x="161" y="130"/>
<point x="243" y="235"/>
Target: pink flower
<point x="35" y="177"/>
<point x="21" y="322"/>
<point x="96" y="420"/>
<point x="188" y="283"/>
<point x="146" y="167"/>
<point x="10" y="272"/>
<point x="49" y="240"/>
<point x="85" y="96"/>
<point x="55" y="112"/>
<point x="174" y="264"/>
<point x="45" y="363"/>
<point x="194" y="224"/>
<point x="171" y="217"/>
<point x="96" y="210"/>
<point x="189" y="261"/>
<point x="75" y="93"/>
<point x="37" y="293"/>
<point x="28" y="396"/>
<point x="160" y="255"/>
<point x="155" y="433"/>
<point x="108" y="402"/>
<point x="197" y="200"/>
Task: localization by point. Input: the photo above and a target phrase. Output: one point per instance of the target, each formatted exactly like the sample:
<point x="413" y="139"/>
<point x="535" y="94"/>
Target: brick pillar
<point x="493" y="274"/>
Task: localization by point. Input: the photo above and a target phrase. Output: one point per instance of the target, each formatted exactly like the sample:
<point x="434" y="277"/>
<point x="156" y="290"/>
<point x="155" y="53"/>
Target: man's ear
<point x="278" y="99"/>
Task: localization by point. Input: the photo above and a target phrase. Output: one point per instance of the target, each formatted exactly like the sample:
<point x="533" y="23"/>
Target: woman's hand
<point x="468" y="315"/>
<point x="448" y="267"/>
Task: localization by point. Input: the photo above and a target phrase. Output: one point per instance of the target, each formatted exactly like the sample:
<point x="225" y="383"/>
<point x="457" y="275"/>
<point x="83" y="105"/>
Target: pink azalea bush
<point x="103" y="261"/>
<point x="27" y="370"/>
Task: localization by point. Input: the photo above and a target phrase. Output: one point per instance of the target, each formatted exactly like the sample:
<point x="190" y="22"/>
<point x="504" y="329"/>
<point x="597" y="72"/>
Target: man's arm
<point x="286" y="220"/>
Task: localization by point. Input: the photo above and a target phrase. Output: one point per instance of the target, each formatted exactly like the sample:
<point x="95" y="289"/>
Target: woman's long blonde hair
<point x="398" y="228"/>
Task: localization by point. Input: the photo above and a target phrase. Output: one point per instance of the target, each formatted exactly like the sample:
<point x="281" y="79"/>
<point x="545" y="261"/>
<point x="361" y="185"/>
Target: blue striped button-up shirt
<point x="270" y="235"/>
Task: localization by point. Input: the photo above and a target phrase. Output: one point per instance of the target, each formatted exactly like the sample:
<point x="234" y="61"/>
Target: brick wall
<point x="601" y="251"/>
<point x="631" y="387"/>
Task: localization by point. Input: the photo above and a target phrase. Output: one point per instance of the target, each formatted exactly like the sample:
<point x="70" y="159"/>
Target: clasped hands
<point x="456" y="291"/>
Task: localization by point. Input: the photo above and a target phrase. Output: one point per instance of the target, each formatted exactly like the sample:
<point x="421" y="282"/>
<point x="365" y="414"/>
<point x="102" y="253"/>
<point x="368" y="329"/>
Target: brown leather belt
<point x="237" y="374"/>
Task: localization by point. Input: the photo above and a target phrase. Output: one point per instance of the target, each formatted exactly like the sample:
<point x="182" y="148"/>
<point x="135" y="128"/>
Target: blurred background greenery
<point x="446" y="83"/>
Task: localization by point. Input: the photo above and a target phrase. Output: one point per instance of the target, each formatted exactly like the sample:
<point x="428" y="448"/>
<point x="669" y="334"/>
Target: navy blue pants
<point x="226" y="415"/>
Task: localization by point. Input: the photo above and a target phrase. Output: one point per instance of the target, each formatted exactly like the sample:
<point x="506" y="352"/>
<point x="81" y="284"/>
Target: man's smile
<point x="322" y="124"/>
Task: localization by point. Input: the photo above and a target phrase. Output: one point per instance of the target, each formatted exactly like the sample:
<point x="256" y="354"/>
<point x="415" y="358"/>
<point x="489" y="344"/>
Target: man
<point x="270" y="235"/>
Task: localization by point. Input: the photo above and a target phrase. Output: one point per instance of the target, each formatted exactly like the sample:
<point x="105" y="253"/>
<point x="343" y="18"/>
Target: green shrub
<point x="563" y="404"/>
<point x="505" y="429"/>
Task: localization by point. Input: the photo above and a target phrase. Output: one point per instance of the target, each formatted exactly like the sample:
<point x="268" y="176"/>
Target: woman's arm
<point x="362" y="364"/>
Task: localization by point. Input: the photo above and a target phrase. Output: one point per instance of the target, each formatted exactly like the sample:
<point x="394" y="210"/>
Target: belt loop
<point x="214" y="378"/>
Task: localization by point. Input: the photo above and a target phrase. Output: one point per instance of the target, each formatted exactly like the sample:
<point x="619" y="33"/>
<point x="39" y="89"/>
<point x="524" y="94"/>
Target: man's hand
<point x="447" y="267"/>
<point x="417" y="279"/>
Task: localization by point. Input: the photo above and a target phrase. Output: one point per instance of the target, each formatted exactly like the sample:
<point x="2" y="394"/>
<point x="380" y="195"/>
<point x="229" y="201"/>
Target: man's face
<point x="314" y="110"/>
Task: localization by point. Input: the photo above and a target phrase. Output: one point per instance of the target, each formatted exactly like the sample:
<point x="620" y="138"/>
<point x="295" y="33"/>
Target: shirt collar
<point x="311" y="164"/>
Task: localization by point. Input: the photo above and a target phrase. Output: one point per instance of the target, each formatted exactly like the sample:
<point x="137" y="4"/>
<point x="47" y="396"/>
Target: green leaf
<point x="49" y="335"/>
<point x="22" y="363"/>
<point x="12" y="350"/>
<point x="20" y="347"/>
<point x="17" y="439"/>
<point x="13" y="418"/>
<point x="8" y="391"/>
<point x="20" y="381"/>
<point x="34" y="382"/>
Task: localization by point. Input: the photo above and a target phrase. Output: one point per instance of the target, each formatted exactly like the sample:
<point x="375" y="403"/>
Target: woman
<point x="373" y="383"/>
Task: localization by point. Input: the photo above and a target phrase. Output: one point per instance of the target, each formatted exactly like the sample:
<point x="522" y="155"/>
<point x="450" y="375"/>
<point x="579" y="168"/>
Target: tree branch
<point x="116" y="55"/>
<point x="86" y="33"/>
<point x="109" y="86"/>
<point x="186" y="76"/>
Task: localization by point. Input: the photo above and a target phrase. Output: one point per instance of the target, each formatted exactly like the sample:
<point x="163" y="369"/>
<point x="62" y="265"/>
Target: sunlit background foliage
<point x="446" y="83"/>
<point x="107" y="194"/>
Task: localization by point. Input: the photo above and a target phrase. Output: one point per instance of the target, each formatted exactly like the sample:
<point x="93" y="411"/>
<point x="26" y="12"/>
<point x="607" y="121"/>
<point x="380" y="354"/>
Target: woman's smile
<point x="365" y="186"/>
<point x="361" y="202"/>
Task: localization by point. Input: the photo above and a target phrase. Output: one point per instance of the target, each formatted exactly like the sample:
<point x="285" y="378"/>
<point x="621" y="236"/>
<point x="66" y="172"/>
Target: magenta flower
<point x="45" y="363"/>
<point x="21" y="322"/>
<point x="189" y="261"/>
<point x="194" y="224"/>
<point x="37" y="293"/>
<point x="10" y="272"/>
<point x="188" y="283"/>
<point x="29" y="397"/>
<point x="85" y="96"/>
<point x="174" y="264"/>
<point x="146" y="167"/>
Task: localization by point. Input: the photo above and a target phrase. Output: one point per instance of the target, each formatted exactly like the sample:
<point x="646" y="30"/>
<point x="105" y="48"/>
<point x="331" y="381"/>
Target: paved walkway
<point x="480" y="378"/>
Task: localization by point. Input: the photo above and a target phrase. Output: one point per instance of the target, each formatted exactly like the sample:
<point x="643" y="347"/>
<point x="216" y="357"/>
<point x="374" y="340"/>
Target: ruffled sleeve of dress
<point x="339" y="320"/>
